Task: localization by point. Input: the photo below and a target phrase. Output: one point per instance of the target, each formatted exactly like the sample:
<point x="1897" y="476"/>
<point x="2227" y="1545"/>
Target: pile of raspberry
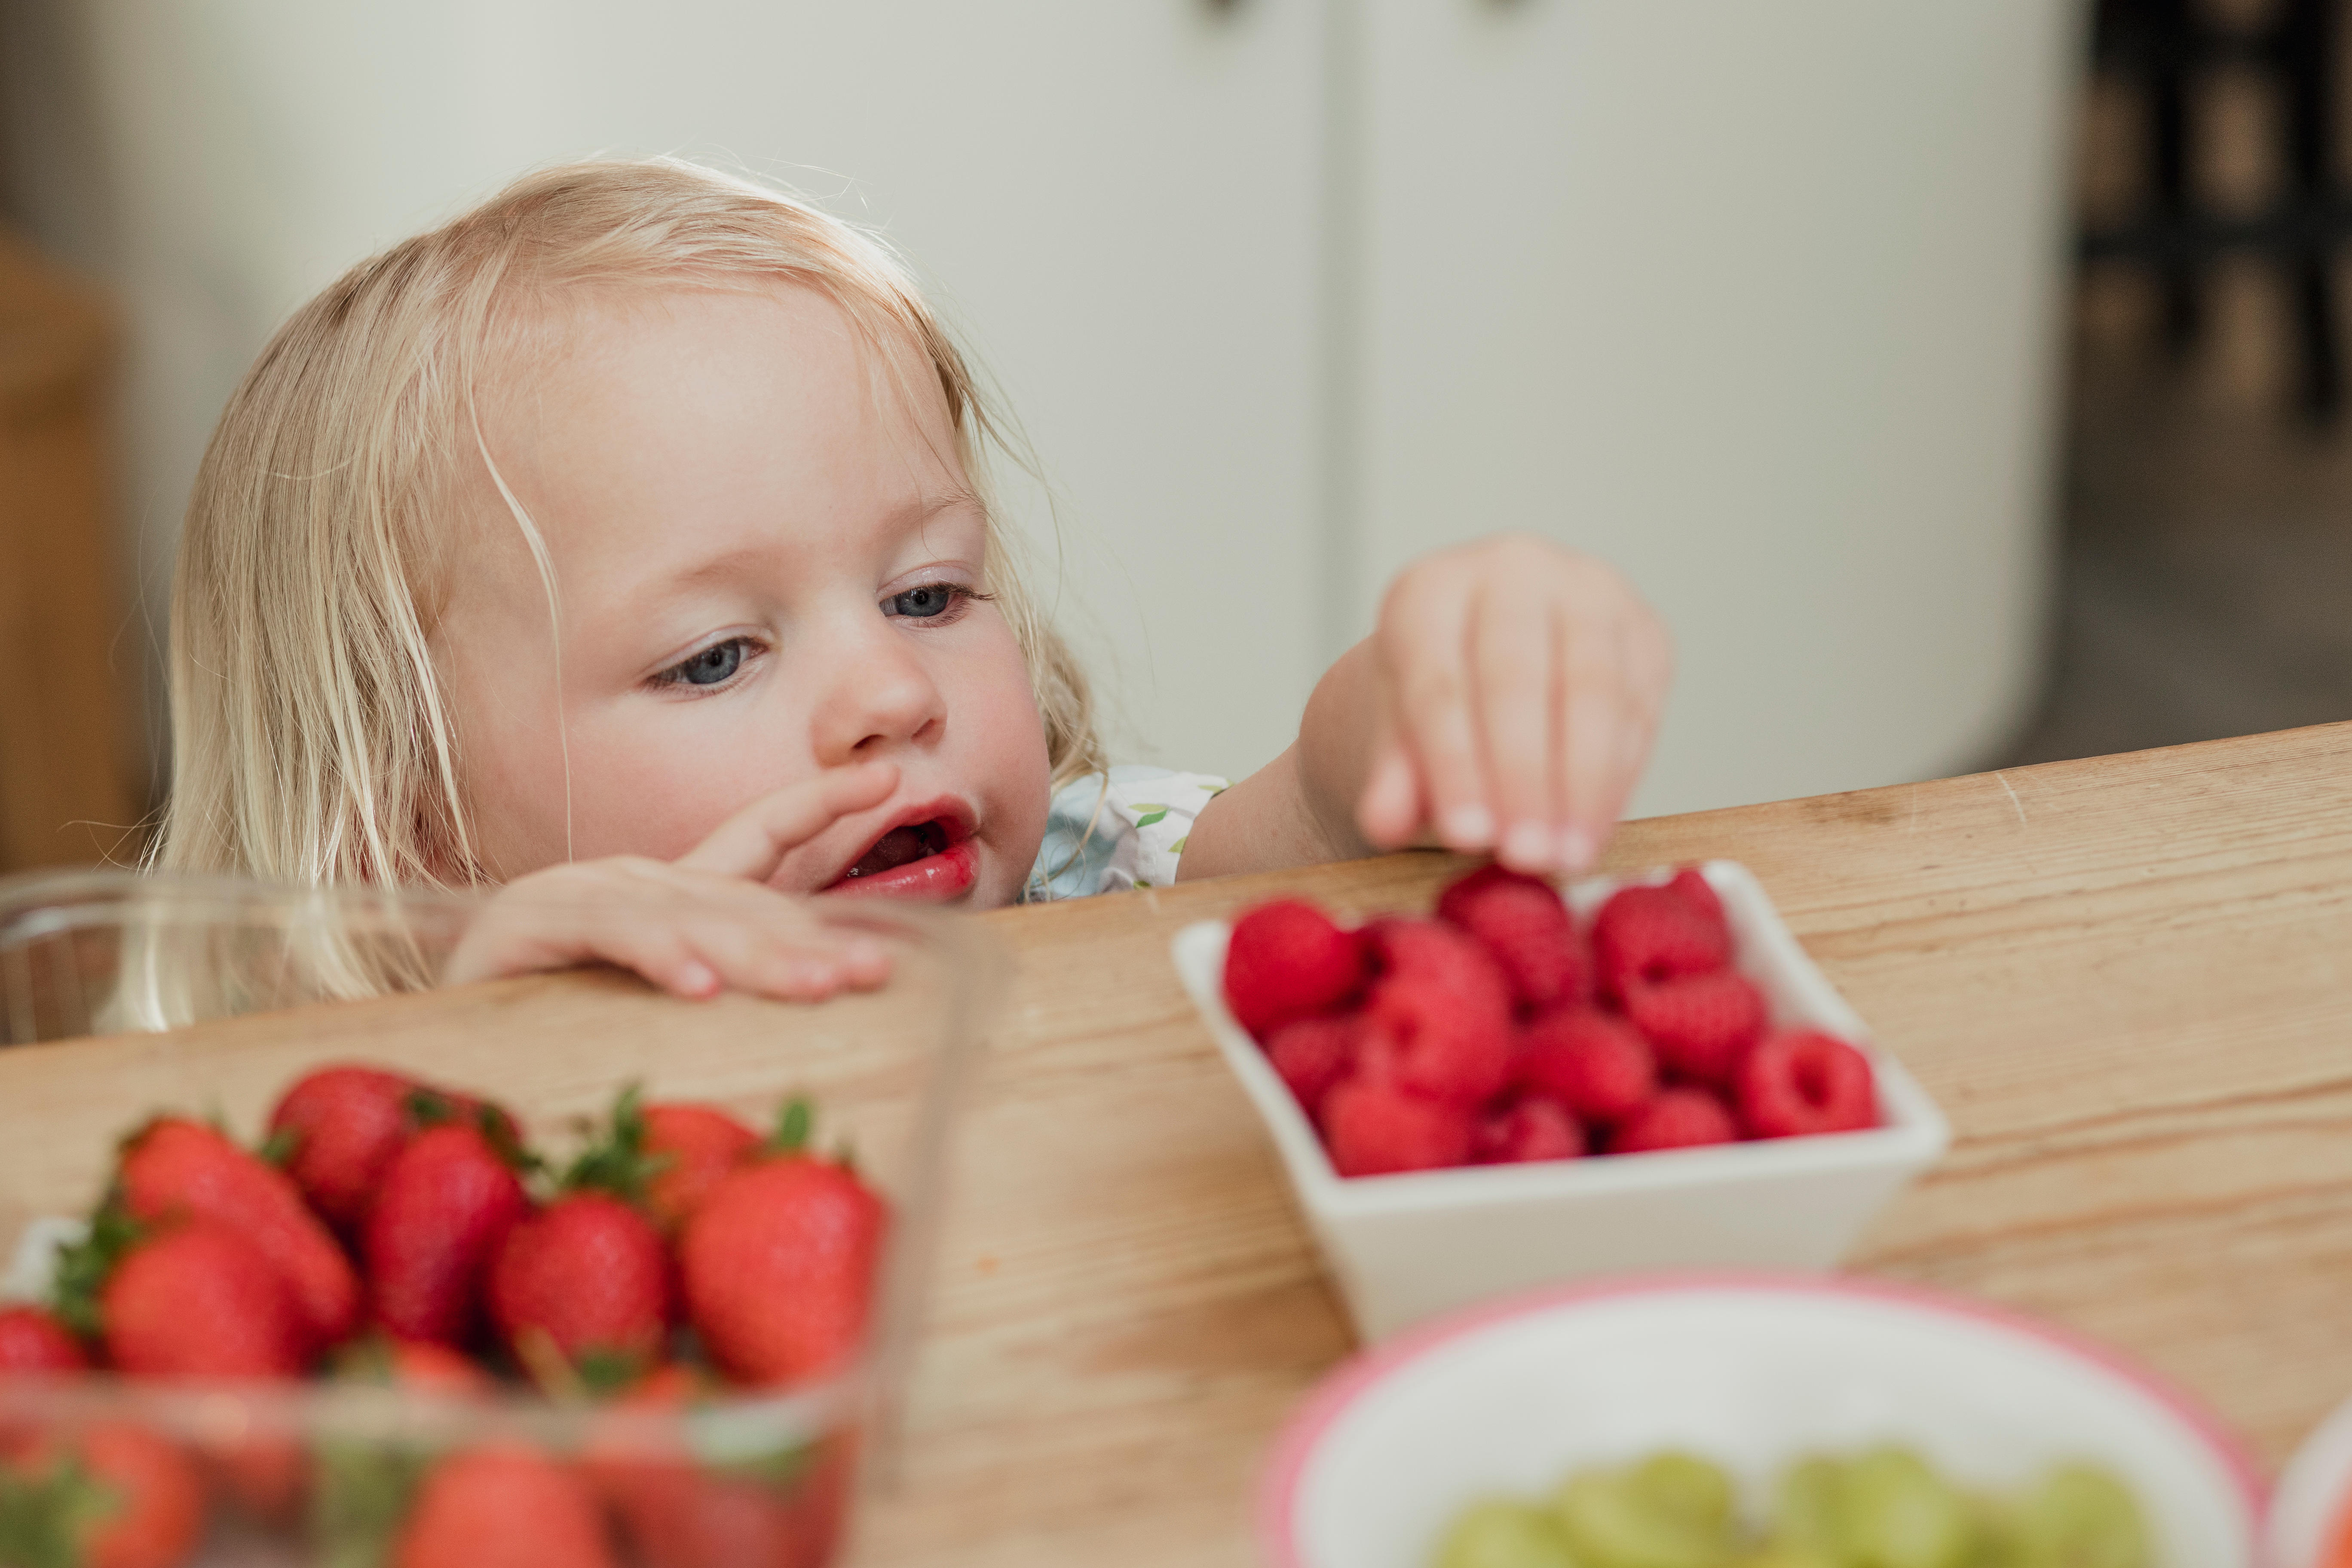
<point x="1498" y="1032"/>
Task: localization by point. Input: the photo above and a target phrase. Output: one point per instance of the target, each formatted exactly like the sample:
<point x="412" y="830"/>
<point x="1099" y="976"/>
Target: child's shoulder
<point x="1124" y="828"/>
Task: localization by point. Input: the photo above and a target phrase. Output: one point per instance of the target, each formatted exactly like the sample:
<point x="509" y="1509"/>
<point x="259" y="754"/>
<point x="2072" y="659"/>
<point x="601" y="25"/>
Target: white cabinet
<point x="1753" y="298"/>
<point x="1756" y="301"/>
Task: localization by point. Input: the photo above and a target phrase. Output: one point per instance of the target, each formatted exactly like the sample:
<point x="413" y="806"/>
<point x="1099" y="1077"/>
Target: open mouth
<point x="932" y="858"/>
<point x="900" y="846"/>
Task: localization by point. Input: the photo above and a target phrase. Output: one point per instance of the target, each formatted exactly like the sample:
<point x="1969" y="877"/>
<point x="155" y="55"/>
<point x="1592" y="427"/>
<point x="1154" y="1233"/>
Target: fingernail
<point x="1577" y="850"/>
<point x="1527" y="846"/>
<point x="698" y="980"/>
<point x="1469" y="828"/>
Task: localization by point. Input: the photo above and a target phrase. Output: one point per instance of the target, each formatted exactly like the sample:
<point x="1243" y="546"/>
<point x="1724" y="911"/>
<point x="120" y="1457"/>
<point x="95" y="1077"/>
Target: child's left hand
<point x="1506" y="702"/>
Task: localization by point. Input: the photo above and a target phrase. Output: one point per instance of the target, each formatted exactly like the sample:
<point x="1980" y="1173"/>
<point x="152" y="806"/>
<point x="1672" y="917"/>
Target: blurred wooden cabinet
<point x="66" y="774"/>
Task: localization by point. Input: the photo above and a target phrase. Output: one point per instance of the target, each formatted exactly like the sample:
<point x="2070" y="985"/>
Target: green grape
<point x="1811" y="1515"/>
<point x="1685" y="1486"/>
<point x="1896" y="1512"/>
<point x="1781" y="1555"/>
<point x="1611" y="1524"/>
<point x="1504" y="1535"/>
<point x="2081" y="1516"/>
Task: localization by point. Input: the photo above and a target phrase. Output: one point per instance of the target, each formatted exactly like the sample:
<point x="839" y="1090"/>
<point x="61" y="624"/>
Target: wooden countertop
<point x="2129" y="981"/>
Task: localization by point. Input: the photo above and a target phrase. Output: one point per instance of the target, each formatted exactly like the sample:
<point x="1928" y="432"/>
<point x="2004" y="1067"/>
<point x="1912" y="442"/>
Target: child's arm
<point x="1506" y="700"/>
<point x="697" y="925"/>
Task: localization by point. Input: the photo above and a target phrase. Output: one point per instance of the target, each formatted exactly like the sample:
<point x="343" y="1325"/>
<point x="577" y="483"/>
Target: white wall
<point x="1753" y="300"/>
<point x="1115" y="202"/>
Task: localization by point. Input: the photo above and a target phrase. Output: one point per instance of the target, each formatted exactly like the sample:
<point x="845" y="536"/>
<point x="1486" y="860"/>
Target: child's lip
<point x="949" y="874"/>
<point x="956" y="821"/>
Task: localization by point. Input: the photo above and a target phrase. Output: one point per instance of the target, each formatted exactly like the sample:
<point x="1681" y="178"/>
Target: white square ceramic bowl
<point x="1754" y="1371"/>
<point x="1407" y="1247"/>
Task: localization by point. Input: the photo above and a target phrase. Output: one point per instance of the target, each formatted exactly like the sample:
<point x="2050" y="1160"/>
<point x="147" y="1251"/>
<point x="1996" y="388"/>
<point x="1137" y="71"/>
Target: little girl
<point x="628" y="539"/>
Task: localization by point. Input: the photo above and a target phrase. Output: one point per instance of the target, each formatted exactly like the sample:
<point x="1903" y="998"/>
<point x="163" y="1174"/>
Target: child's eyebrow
<point x="729" y="563"/>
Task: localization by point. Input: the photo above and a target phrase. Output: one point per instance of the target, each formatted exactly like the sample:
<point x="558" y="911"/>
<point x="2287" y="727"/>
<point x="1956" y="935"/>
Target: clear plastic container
<point x="327" y="1472"/>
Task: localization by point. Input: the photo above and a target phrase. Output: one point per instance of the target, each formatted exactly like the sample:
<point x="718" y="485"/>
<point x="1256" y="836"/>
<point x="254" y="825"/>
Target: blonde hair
<point x="313" y="739"/>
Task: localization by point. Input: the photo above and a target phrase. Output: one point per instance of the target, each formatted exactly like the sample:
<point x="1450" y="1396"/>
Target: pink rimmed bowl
<point x="1751" y="1371"/>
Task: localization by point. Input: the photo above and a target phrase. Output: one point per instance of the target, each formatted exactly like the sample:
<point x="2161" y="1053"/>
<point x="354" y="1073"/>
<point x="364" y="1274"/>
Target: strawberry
<point x="173" y="1167"/>
<point x="416" y="1365"/>
<point x="32" y="1339"/>
<point x="1373" y="1126"/>
<point x="111" y="1496"/>
<point x="504" y="1507"/>
<point x="200" y="1300"/>
<point x="1523" y="923"/>
<point x="1802" y="1081"/>
<point x="588" y="1278"/>
<point x="702" y="1143"/>
<point x="1702" y="1026"/>
<point x="1644" y="935"/>
<point x="363" y="1489"/>
<point x="340" y="1127"/>
<point x="664" y="1158"/>
<point x="1443" y="1006"/>
<point x="1529" y="1128"/>
<point x="781" y="1512"/>
<point x="778" y="1264"/>
<point x="1678" y="1119"/>
<point x="1594" y="1064"/>
<point x="1285" y="961"/>
<point x="447" y="1201"/>
<point x="1312" y="1054"/>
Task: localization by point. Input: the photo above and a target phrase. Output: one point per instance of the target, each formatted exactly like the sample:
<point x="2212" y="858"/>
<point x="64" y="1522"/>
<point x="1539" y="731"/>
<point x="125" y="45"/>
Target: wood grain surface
<point x="2129" y="981"/>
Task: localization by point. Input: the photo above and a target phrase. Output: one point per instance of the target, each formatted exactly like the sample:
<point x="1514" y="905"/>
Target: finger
<point x="1512" y="655"/>
<point x="1390" y="810"/>
<point x="767" y="945"/>
<point x="531" y="942"/>
<point x="1593" y="677"/>
<point x="751" y="842"/>
<point x="1423" y="648"/>
<point x="1649" y="663"/>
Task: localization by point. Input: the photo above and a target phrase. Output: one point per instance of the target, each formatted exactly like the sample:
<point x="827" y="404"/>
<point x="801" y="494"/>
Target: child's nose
<point x="876" y="692"/>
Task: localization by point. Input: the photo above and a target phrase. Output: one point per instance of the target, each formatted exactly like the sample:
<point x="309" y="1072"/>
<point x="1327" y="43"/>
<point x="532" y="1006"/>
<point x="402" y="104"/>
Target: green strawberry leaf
<point x="82" y="1268"/>
<point x="614" y="1161"/>
<point x="281" y="1147"/>
<point x="793" y="1127"/>
<point x="1152" y="814"/>
<point x="607" y="1371"/>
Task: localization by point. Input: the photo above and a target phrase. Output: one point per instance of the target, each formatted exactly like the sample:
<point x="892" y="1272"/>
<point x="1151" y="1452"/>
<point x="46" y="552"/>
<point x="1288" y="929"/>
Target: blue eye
<point x="713" y="666"/>
<point x="927" y="603"/>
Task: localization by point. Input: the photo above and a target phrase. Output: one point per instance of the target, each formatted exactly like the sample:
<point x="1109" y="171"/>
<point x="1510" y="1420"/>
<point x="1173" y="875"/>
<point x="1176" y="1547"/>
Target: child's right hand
<point x="703" y="923"/>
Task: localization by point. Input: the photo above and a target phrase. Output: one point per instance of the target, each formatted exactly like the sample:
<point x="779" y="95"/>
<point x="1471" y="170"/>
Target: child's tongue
<point x="897" y="848"/>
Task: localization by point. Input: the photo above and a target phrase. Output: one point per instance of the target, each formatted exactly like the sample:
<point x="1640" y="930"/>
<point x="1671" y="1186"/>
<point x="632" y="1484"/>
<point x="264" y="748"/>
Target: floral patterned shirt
<point x="1122" y="829"/>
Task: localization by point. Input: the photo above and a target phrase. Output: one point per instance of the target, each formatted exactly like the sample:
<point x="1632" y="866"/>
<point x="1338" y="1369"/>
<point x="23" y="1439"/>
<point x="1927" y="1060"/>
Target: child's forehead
<point x="651" y="421"/>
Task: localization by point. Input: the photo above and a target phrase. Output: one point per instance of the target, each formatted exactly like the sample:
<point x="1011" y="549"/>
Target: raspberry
<point x="1594" y="1064"/>
<point x="1702" y="1026"/>
<point x="1644" y="935"/>
<point x="1372" y="1127"/>
<point x="1443" y="1006"/>
<point x="1287" y="960"/>
<point x="1312" y="1054"/>
<point x="1530" y="1129"/>
<point x="1800" y="1081"/>
<point x="1526" y="928"/>
<point x="1678" y="1119"/>
<point x="1700" y="895"/>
